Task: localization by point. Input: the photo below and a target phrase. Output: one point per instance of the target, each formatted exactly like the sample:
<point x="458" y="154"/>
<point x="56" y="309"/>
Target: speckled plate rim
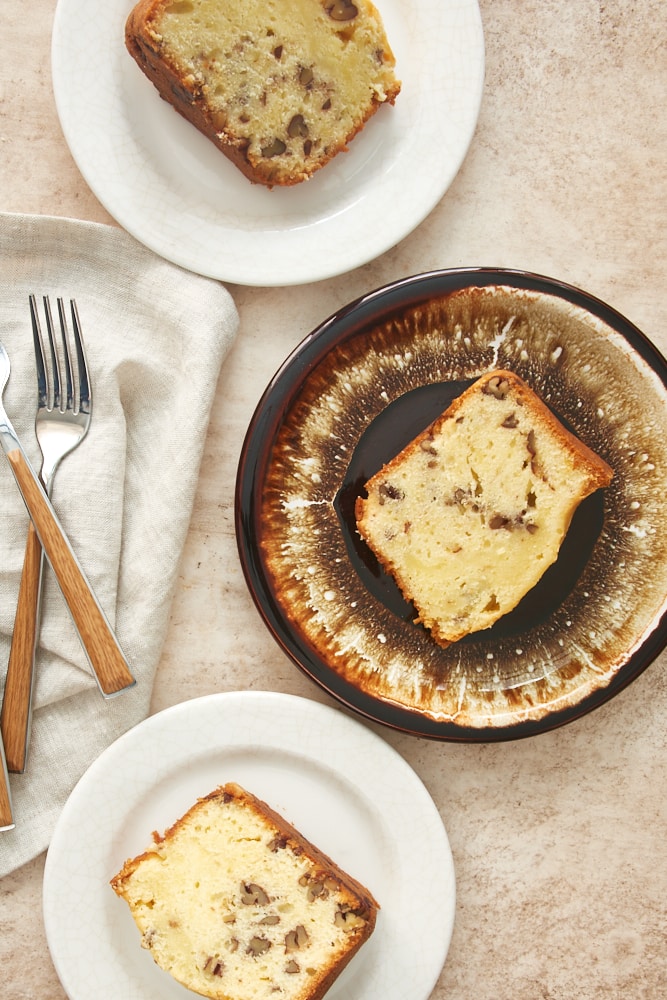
<point x="340" y="784"/>
<point x="276" y="400"/>
<point x="169" y="187"/>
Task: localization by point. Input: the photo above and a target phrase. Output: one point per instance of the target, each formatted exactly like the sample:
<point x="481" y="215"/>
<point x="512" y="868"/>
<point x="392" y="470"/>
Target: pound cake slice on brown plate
<point x="473" y="511"/>
<point x="236" y="904"/>
<point x="280" y="86"/>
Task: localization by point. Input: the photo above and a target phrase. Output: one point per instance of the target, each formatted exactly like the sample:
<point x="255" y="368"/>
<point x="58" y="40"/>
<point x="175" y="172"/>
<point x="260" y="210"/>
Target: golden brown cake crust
<point x="189" y="96"/>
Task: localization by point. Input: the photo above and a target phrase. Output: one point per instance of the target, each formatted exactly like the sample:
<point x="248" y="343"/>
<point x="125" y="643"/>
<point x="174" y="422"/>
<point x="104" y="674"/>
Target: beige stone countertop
<point x="558" y="840"/>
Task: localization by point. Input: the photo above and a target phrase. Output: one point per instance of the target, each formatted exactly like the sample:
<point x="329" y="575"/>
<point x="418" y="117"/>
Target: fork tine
<point x="40" y="362"/>
<point x="55" y="363"/>
<point x="64" y="334"/>
<point x="85" y="389"/>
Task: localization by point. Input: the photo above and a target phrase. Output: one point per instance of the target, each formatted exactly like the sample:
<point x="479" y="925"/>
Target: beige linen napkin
<point x="155" y="339"/>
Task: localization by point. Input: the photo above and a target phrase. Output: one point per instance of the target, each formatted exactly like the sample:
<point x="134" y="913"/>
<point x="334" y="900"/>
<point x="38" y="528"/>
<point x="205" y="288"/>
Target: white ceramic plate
<point x="176" y="193"/>
<point x="341" y="785"/>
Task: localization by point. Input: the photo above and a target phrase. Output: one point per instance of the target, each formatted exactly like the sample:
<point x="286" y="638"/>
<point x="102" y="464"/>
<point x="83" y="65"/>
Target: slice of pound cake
<point x="471" y="513"/>
<point x="280" y="86"/>
<point x="237" y="905"/>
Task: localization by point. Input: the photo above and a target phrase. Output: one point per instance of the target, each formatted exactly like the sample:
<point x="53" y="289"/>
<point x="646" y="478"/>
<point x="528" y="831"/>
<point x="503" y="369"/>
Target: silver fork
<point x="62" y="420"/>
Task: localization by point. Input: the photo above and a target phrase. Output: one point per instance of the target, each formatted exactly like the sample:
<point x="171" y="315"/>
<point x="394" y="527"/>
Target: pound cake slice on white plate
<point x="280" y="86"/>
<point x="236" y="904"/>
<point x="473" y="511"/>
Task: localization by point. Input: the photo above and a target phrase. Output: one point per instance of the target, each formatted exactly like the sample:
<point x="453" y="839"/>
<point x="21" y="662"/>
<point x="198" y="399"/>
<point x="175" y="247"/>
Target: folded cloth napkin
<point x="155" y="339"/>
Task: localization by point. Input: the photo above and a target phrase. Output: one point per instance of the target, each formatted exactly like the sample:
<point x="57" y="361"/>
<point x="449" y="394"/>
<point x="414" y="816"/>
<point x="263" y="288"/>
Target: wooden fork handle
<point x="105" y="655"/>
<point x="6" y="816"/>
<point x="15" y="716"/>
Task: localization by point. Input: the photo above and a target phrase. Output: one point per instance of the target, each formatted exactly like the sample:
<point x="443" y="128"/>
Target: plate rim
<point x="307" y="354"/>
<point x="276" y="708"/>
<point x="265" y="266"/>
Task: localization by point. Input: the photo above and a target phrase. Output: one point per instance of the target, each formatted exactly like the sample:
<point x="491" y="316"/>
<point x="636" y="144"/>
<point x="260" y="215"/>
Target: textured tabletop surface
<point x="558" y="841"/>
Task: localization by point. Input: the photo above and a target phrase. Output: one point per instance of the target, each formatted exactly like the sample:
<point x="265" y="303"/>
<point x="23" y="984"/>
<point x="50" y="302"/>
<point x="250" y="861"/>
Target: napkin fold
<point x="155" y="338"/>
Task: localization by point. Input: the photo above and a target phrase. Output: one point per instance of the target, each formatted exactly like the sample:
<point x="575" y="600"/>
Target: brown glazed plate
<point x="351" y="395"/>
